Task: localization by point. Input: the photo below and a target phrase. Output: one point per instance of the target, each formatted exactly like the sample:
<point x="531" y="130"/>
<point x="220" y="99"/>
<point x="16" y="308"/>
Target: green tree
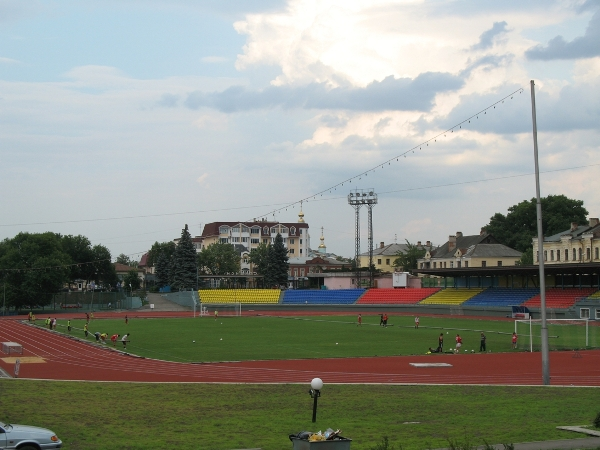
<point x="131" y="280"/>
<point x="408" y="259"/>
<point x="278" y="266"/>
<point x="519" y="226"/>
<point x="184" y="273"/>
<point x="219" y="259"/>
<point x="126" y="260"/>
<point x="104" y="269"/>
<point x="162" y="270"/>
<point x="259" y="258"/>
<point x="158" y="248"/>
<point x="526" y="258"/>
<point x="82" y="255"/>
<point x="34" y="267"/>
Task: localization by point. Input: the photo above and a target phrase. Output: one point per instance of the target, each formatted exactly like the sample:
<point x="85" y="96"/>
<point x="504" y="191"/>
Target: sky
<point x="124" y="120"/>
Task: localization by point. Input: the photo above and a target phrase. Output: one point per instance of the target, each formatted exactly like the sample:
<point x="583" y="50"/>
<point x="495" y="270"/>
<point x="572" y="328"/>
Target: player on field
<point x="458" y="343"/>
<point x="114" y="338"/>
<point x="514" y="340"/>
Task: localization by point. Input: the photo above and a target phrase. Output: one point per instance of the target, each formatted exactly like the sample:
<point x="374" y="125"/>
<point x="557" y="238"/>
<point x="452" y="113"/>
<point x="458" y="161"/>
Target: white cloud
<point x="4" y="60"/>
<point x="214" y="59"/>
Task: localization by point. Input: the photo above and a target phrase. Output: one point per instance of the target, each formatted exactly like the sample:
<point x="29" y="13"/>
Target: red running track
<point x="71" y="359"/>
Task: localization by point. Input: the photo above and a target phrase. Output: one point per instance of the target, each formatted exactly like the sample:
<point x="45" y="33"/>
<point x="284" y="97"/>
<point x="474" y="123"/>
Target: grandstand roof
<point x="532" y="271"/>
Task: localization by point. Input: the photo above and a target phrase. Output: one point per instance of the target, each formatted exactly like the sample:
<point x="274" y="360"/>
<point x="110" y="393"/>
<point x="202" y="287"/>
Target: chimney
<point x="482" y="232"/>
<point x="459" y="234"/>
<point x="451" y="242"/>
<point x="594" y="221"/>
<point x="574" y="226"/>
<point x="381" y="245"/>
<point x="428" y="243"/>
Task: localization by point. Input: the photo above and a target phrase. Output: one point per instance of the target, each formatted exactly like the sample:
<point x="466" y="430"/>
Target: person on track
<point x="125" y="340"/>
<point x="458" y="343"/>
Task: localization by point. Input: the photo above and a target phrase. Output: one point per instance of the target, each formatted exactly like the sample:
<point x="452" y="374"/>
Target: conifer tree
<point x="162" y="270"/>
<point x="278" y="266"/>
<point x="184" y="270"/>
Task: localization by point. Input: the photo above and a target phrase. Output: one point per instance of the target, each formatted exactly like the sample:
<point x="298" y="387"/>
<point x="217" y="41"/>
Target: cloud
<point x="391" y="93"/>
<point x="202" y="178"/>
<point x="168" y="100"/>
<point x="586" y="46"/>
<point x="214" y="59"/>
<point x="9" y="61"/>
<point x="486" y="40"/>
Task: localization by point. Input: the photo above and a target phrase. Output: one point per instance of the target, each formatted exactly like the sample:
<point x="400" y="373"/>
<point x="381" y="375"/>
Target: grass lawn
<point x="262" y="337"/>
<point x="96" y="416"/>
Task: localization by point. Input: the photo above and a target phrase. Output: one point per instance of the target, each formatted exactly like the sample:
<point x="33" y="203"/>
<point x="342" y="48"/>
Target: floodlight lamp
<point x="316" y="384"/>
<point x="371" y="193"/>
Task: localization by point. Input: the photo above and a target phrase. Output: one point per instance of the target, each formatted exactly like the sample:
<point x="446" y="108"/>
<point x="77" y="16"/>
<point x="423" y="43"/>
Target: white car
<point x="25" y="437"/>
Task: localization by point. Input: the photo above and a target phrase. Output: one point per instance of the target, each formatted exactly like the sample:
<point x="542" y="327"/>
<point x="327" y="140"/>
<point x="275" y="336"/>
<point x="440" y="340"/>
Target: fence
<point x="189" y="299"/>
<point x="92" y="301"/>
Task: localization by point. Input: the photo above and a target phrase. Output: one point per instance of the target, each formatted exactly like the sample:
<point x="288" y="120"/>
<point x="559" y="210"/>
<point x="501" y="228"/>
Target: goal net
<point x="563" y="334"/>
<point x="223" y="309"/>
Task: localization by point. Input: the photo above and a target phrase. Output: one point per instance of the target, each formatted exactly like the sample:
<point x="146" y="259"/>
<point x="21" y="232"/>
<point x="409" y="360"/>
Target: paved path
<point x="162" y="304"/>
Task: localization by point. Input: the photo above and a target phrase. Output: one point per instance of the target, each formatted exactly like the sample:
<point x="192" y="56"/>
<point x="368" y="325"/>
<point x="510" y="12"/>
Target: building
<point x="481" y="250"/>
<point x="122" y="270"/>
<point x="578" y="244"/>
<point x="385" y="255"/>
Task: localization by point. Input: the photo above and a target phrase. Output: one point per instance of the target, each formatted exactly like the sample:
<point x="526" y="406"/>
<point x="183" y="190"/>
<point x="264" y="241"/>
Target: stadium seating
<point x="239" y="295"/>
<point x="560" y="298"/>
<point x="322" y="297"/>
<point x="595" y="296"/>
<point x="395" y="296"/>
<point x="451" y="296"/>
<point x="502" y="297"/>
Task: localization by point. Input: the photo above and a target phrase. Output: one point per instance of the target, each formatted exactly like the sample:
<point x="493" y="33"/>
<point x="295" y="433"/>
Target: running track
<point x="70" y="359"/>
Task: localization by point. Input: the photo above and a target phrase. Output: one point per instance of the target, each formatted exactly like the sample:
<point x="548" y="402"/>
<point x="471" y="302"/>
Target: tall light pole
<point x="356" y="199"/>
<point x="540" y="233"/>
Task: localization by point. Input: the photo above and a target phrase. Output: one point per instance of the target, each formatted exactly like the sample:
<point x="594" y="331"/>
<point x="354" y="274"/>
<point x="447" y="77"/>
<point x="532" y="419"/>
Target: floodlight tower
<point x="356" y="199"/>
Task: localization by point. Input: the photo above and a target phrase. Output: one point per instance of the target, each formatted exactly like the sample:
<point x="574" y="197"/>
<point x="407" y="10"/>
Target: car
<point x="26" y="437"/>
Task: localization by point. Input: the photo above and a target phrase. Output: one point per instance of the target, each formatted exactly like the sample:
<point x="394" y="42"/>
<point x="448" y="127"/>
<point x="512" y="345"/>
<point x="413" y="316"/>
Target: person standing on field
<point x="69" y="325"/>
<point x="482" y="343"/>
<point x="359" y="320"/>
<point x="416" y="322"/>
<point x="385" y="318"/>
<point x="458" y="343"/>
<point x="514" y="340"/>
<point x="125" y="340"/>
<point x="126" y="319"/>
<point x="216" y="314"/>
<point x="441" y="342"/>
<point x="85" y="329"/>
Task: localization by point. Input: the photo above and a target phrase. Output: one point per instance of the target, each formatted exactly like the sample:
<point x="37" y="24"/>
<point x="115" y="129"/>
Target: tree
<point x="259" y="258"/>
<point x="526" y="258"/>
<point x="219" y="259"/>
<point x="162" y="270"/>
<point x="105" y="273"/>
<point x="278" y="266"/>
<point x="34" y="267"/>
<point x="132" y="280"/>
<point x="519" y="226"/>
<point x="184" y="273"/>
<point x="158" y="248"/>
<point x="408" y="259"/>
<point x="126" y="261"/>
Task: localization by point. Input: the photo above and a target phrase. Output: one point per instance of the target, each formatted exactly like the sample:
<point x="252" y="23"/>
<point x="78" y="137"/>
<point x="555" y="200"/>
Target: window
<point x="434" y="264"/>
<point x="291" y="240"/>
<point x="293" y="231"/>
<point x="444" y="264"/>
<point x="458" y="264"/>
<point x="244" y="229"/>
<point x="466" y="264"/>
<point x="265" y="241"/>
<point x="255" y="230"/>
<point x="551" y="255"/>
<point x="266" y="230"/>
<point x="378" y="262"/>
<point x="574" y="255"/>
<point x="499" y="263"/>
<point x="295" y="272"/>
<point x="244" y="239"/>
<point x="300" y="251"/>
<point x="579" y="254"/>
<point x="584" y="313"/>
<point x="301" y="272"/>
<point x="558" y="255"/>
<point x="387" y="261"/>
<point x="596" y="253"/>
<point x="255" y="241"/>
<point x="224" y="229"/>
<point x="224" y="240"/>
<point x="300" y="241"/>
<point x="291" y="251"/>
<point x="588" y="253"/>
<point x="537" y="256"/>
<point x="284" y="230"/>
<point x="566" y="255"/>
<point x="235" y="239"/>
<point x="235" y="229"/>
<point x="597" y="313"/>
<point x="483" y="263"/>
<point x="273" y="230"/>
<point x="451" y="264"/>
<point x="545" y="255"/>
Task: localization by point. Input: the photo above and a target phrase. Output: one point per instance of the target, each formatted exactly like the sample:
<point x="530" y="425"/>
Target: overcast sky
<point x="123" y="120"/>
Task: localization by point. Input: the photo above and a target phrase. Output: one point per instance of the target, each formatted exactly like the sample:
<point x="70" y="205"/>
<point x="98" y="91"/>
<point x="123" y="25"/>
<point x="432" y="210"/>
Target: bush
<point x="597" y="421"/>
<point x="385" y="445"/>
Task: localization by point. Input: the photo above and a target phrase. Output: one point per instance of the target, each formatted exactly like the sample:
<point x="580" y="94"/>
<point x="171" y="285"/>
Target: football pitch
<point x="274" y="337"/>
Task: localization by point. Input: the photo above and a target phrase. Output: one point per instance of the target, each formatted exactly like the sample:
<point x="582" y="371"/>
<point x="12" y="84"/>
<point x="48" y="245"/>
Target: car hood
<point x="27" y="431"/>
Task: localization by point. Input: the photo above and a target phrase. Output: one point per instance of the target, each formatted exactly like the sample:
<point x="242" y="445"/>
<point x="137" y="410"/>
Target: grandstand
<point x="322" y="297"/>
<point x="239" y="295"/>
<point x="395" y="296"/>
<point x="502" y="297"/>
<point x="451" y="296"/>
<point x="595" y="296"/>
<point x="560" y="298"/>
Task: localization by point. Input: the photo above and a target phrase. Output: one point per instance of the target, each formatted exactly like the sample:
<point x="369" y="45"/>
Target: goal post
<point x="563" y="334"/>
<point x="224" y="309"/>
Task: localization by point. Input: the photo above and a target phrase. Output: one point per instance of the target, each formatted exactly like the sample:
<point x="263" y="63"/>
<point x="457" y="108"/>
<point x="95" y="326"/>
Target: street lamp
<point x="315" y="392"/>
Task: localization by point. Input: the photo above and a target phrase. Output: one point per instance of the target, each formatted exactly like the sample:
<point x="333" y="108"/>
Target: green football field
<point x="267" y="337"/>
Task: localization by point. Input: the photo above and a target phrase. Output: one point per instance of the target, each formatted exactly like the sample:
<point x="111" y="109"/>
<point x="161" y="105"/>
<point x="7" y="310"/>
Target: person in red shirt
<point x="359" y="320"/>
<point x="458" y="343"/>
<point x="514" y="340"/>
<point x="385" y="317"/>
<point x="114" y="338"/>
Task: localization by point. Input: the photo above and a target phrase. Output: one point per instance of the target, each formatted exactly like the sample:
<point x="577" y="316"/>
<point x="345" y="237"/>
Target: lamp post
<point x="315" y="392"/>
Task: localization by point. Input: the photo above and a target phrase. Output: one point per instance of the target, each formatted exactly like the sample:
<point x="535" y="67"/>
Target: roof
<point x="530" y="271"/>
<point x="212" y="229"/>
<point x="491" y="251"/>
<point x="387" y="250"/>
<point x="463" y="242"/>
<point x="144" y="260"/>
<point x="575" y="234"/>
<point x="124" y="268"/>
